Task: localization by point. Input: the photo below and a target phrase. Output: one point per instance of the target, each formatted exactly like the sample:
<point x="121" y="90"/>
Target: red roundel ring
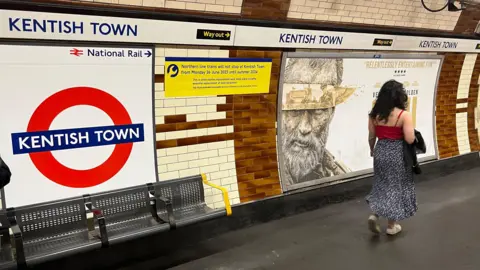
<point x="43" y="117"/>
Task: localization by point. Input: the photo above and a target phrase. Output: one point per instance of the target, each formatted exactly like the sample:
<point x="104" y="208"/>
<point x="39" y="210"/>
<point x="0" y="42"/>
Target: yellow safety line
<point x="228" y="207"/>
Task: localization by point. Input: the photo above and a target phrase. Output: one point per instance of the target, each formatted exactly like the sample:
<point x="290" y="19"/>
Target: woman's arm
<point x="408" y="129"/>
<point x="372" y="137"/>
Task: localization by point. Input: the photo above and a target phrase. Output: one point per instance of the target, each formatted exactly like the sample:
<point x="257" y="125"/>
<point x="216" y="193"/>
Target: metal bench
<point x="188" y="200"/>
<point x="51" y="230"/>
<point x="129" y="213"/>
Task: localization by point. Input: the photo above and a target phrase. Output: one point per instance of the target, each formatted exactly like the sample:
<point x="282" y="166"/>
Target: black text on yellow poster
<point x="216" y="76"/>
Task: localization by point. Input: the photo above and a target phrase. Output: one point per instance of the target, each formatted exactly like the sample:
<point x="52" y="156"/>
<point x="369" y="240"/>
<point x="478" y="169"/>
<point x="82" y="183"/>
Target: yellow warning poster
<point x="216" y="76"/>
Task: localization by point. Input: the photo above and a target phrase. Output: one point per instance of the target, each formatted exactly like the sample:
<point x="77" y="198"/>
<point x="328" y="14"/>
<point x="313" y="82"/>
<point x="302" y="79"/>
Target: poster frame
<point x="351" y="176"/>
<point x="70" y="43"/>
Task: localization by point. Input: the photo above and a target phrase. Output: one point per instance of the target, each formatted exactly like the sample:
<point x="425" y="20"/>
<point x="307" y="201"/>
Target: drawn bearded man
<point x="306" y="119"/>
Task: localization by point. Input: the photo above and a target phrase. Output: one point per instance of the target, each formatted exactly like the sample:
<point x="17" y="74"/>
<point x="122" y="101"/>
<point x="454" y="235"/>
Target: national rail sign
<point x="79" y="125"/>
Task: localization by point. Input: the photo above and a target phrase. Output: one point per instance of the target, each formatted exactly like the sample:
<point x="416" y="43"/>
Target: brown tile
<point x="166" y="144"/>
<point x="244" y="163"/>
<point x="269" y="98"/>
<point x="187" y="141"/>
<point x="257" y="120"/>
<point x="226" y="137"/>
<point x="241" y="106"/>
<point x="243" y="135"/>
<point x="271" y="166"/>
<point x="224" y="107"/>
<point x="171" y="119"/>
<point x="224" y="122"/>
<point x="261" y="174"/>
<point x="165" y="128"/>
<point x="237" y="99"/>
<point x="237" y="114"/>
<point x="259" y="133"/>
<point x="262" y="146"/>
<point x="250" y="54"/>
<point x="238" y="128"/>
<point x="268" y="139"/>
<point x="264" y="181"/>
<point x="207" y="124"/>
<point x="251" y="99"/>
<point x="208" y="139"/>
<point x="241" y="121"/>
<point x="186" y="125"/>
<point x="273" y="54"/>
<point x="241" y="171"/>
<point x="252" y="127"/>
<point x="250" y="113"/>
<point x="253" y="154"/>
<point x="238" y="143"/>
<point x="261" y="161"/>
<point x="159" y="78"/>
<point x="251" y="141"/>
<point x="240" y="156"/>
<point x="254" y="168"/>
<point x="258" y="106"/>
<point x="245" y="177"/>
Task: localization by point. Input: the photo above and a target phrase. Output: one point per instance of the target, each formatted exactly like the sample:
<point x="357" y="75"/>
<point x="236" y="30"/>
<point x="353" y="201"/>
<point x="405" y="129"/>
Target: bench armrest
<point x="226" y="200"/>
<point x="98" y="215"/>
<point x="17" y="243"/>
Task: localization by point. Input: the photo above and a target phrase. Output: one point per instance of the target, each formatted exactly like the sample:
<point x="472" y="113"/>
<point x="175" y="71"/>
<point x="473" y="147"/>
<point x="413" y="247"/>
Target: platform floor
<point x="444" y="235"/>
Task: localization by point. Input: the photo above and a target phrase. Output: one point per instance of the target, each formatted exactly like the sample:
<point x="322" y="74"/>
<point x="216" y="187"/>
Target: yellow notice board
<point x="216" y="76"/>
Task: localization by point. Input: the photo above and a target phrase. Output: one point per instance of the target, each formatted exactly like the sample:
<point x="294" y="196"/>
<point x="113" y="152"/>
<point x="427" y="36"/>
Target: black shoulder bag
<point x="5" y="174"/>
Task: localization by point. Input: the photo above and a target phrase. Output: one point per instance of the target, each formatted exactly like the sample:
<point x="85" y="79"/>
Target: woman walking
<point x="393" y="191"/>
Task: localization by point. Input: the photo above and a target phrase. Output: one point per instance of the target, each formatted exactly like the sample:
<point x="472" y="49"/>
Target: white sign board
<point x="427" y="44"/>
<point x="39" y="25"/>
<point x="325" y="104"/>
<point x="315" y="39"/>
<point x="75" y="120"/>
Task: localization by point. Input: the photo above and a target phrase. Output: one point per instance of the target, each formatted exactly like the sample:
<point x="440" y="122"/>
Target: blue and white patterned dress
<point x="393" y="191"/>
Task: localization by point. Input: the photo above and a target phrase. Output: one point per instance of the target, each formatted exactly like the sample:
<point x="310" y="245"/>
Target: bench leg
<point x="103" y="231"/>
<point x="167" y="204"/>
<point x="17" y="247"/>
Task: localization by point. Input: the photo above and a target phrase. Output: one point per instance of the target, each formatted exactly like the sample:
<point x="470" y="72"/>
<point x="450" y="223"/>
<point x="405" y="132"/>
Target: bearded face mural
<point x="312" y="88"/>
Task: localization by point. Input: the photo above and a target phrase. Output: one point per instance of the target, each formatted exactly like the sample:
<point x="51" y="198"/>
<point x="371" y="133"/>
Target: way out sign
<point x="79" y="126"/>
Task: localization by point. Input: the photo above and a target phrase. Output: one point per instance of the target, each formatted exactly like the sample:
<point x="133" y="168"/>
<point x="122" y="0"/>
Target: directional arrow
<point x="148" y="53"/>
<point x="228" y="35"/>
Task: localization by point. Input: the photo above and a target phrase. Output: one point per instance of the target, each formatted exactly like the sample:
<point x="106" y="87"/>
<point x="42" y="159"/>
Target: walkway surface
<point x="444" y="235"/>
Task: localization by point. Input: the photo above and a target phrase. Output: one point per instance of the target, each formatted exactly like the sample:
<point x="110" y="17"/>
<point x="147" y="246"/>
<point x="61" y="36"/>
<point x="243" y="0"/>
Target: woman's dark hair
<point x="392" y="95"/>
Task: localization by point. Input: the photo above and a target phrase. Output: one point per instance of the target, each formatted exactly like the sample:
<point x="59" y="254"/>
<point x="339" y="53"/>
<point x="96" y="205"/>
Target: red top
<point x="390" y="132"/>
